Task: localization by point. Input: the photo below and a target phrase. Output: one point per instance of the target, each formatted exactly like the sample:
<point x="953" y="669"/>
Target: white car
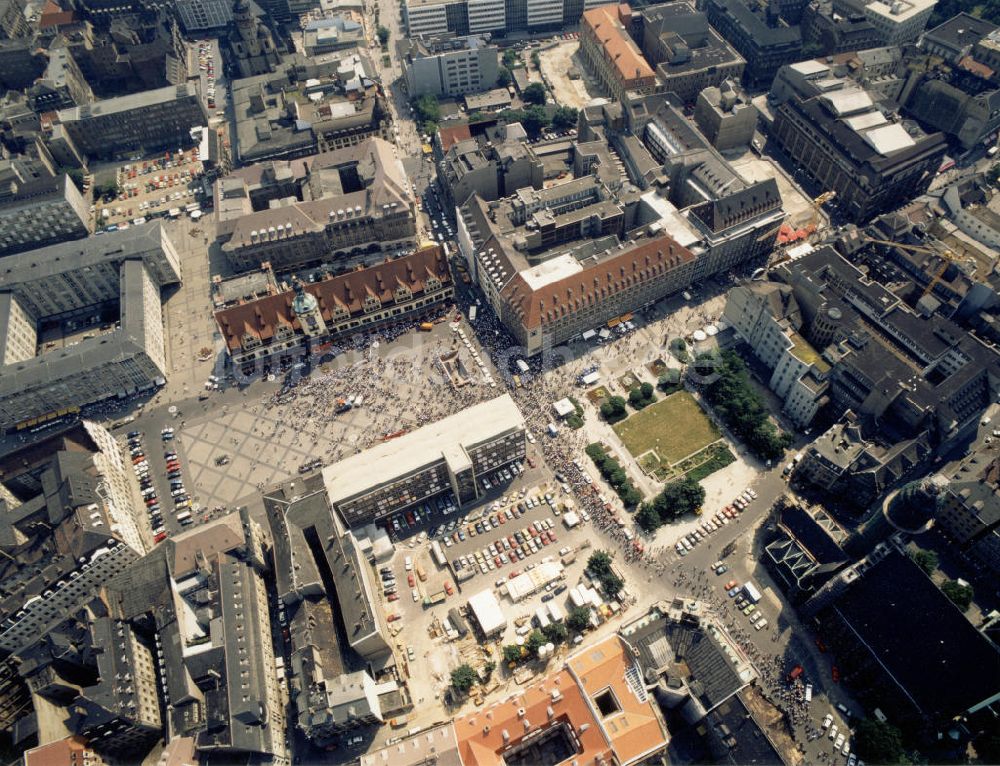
<point x="827" y="720"/>
<point x="409" y="563"/>
<point x="416" y="594"/>
<point x="839" y="743"/>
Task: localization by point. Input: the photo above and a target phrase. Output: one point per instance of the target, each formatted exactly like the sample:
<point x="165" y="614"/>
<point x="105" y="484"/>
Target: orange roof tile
<point x="635" y="730"/>
<point x="262" y="317"/>
<point x="605" y="24"/>
<point x="595" y="283"/>
<point x="625" y="736"/>
<point x="452" y="135"/>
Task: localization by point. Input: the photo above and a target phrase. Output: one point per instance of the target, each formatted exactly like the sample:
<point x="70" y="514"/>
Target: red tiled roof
<point x="54" y="16"/>
<point x="262" y="317"/>
<point x="452" y="135"/>
<point x="595" y="283"/>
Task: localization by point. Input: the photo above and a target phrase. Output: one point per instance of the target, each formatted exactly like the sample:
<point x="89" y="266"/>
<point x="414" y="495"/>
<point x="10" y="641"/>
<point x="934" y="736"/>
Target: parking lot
<point x="153" y="187"/>
<point x="161" y="481"/>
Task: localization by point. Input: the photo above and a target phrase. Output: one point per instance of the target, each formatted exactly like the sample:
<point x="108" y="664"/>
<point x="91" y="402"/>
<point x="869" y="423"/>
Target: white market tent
<point x="564" y="408"/>
<point x="570" y="519"/>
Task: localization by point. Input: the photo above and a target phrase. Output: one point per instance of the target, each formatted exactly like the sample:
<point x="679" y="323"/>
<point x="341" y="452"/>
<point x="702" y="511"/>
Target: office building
<point x="725" y="116"/>
<point x="850" y="147"/>
<point x="143" y="122"/>
<point x="308" y="319"/>
<point x="450" y="455"/>
<point x="449" y="66"/>
<point x="332" y="32"/>
<point x="768" y="318"/>
<point x="968" y="505"/>
<point x="72" y="521"/>
<point x="805" y="549"/>
<point x="687" y="53"/>
<point x="67" y="288"/>
<point x="13" y="23"/>
<point x="874" y="343"/>
<point x="558" y="261"/>
<point x="899" y="21"/>
<point x="40" y="212"/>
<point x="765" y="40"/>
<point x="610" y="53"/>
<point x="831" y="32"/>
<point x="352" y="205"/>
<point x="955" y="38"/>
<point x="311" y="549"/>
<point x="61" y="85"/>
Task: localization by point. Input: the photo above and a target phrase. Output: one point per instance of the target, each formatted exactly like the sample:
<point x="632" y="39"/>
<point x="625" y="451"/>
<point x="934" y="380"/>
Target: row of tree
<point x="614" y="475"/>
<point x="734" y="399"/>
<point x="577" y="621"/>
<point x="677" y="498"/>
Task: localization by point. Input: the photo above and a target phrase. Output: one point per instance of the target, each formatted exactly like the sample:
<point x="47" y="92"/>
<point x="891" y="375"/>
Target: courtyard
<point x="673" y="429"/>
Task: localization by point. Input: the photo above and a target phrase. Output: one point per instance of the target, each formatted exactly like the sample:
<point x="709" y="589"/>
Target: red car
<point x="502" y="519"/>
<point x="448" y="588"/>
<point x="392" y="618"/>
<point x="173" y="466"/>
<point x="514" y="574"/>
<point x="160" y="537"/>
<point x="835" y="674"/>
<point x="394" y="597"/>
<point x="820" y="645"/>
<point x="410" y="580"/>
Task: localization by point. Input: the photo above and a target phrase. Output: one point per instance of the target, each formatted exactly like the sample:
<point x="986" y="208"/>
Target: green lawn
<point x="674" y="427"/>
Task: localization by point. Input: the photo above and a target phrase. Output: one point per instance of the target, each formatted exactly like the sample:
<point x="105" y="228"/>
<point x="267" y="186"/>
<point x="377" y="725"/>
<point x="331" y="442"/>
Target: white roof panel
<point x="811" y="67"/>
<point x="847" y="102"/>
<point x="890" y="138"/>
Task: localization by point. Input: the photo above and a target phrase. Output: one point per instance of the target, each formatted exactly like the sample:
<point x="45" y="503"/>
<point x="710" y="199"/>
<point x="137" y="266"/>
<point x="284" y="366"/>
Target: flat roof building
<point x="146" y="121"/>
<point x="42" y="212"/>
<point x="451" y="454"/>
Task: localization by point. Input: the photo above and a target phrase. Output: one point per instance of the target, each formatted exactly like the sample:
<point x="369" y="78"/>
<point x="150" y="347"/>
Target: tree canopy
<point x="534" y="94"/>
<point x="960" y="595"/>
<point x="504" y="77"/>
<point x="565" y="117"/>
<point x="463" y="678"/>
<point x="383" y="35"/>
<point x="578" y="619"/>
<point x="735" y="401"/>
<point x="878" y="742"/>
<point x="613" y="409"/>
<point x="679" y="497"/>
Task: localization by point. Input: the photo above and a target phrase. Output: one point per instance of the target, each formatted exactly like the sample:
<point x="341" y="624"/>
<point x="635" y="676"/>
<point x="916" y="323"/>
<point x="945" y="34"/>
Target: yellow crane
<point x="947" y="258"/>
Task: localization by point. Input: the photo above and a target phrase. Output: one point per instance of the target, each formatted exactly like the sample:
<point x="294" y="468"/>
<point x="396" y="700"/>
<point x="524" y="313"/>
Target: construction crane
<point x="947" y="258"/>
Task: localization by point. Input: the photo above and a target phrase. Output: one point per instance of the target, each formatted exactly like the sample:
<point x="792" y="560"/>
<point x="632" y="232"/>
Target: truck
<point x="435" y="598"/>
<point x="751" y="592"/>
<point x="795" y="673"/>
<point x="473" y="313"/>
<point x="438" y="554"/>
<point x="522" y="366"/>
<point x="426" y="326"/>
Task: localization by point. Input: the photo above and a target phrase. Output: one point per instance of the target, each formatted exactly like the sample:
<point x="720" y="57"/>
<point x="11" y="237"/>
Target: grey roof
<point x="144" y="241"/>
<point x="128" y="103"/>
<point x="925" y="644"/>
<point x="740" y="206"/>
<point x="755" y="27"/>
<point x="960" y="31"/>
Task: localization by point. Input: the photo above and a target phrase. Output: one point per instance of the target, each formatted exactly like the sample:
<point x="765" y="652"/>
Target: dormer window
<point x="372" y="304"/>
<point x="433" y="283"/>
<point x="403" y="293"/>
<point x="250" y="341"/>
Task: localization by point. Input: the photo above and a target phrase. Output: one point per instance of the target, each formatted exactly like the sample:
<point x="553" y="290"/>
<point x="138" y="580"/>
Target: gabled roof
<point x="597" y="280"/>
<point x="261" y="318"/>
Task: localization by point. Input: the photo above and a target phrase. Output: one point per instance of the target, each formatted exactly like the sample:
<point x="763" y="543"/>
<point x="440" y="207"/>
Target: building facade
<point x="310" y="318"/>
<point x="764" y="39"/>
<point x="450" y="455"/>
<point x="449" y="66"/>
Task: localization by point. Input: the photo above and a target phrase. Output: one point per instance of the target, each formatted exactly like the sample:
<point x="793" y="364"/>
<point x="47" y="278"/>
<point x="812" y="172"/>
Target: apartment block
<point x="142" y="122"/>
<point x="449" y="66"/>
<point x="94" y="529"/>
<point x="42" y="212"/>
<point x="450" y="455"/>
<point x="725" y="116"/>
